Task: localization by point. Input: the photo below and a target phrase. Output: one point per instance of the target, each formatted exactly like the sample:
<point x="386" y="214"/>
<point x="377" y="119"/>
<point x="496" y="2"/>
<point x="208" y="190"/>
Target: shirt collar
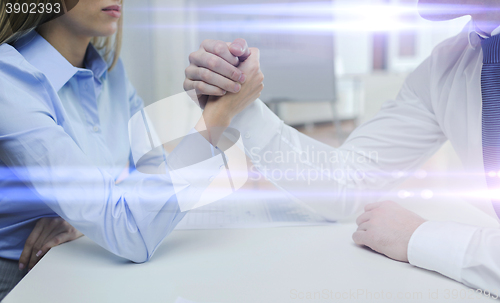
<point x="95" y="63"/>
<point x="43" y="56"/>
<point x="475" y="35"/>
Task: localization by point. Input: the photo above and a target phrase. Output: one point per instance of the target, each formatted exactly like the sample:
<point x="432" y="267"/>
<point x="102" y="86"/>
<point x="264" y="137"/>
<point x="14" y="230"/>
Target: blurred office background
<point x="373" y="44"/>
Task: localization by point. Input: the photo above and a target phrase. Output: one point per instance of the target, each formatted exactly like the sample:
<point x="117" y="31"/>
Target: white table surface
<point x="243" y="265"/>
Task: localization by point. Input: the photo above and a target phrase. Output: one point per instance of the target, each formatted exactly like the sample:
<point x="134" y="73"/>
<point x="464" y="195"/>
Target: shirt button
<point x="96" y="128"/>
<point x="247" y="135"/>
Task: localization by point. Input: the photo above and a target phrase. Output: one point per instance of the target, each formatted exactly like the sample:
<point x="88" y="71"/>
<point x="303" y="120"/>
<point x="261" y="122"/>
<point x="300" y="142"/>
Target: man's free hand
<point x="387" y="227"/>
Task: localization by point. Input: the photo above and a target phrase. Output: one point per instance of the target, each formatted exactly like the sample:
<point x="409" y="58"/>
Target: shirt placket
<point x="89" y="101"/>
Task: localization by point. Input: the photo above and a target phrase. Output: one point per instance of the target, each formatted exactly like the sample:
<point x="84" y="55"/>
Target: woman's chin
<point x="108" y="30"/>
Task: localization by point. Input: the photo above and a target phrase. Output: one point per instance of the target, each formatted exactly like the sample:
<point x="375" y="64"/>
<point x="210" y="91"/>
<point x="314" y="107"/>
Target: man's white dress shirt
<point x="440" y="101"/>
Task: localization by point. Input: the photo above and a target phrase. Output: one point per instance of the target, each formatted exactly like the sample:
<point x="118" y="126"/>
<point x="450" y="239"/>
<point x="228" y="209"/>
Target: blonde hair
<point x="16" y="25"/>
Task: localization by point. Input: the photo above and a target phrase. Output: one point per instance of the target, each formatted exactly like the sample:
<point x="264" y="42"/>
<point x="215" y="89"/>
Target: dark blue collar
<point x="491" y="50"/>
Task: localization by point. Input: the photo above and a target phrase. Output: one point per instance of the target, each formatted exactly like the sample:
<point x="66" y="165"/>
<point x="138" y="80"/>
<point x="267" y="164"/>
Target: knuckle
<point x="205" y="42"/>
<point x="57" y="240"/>
<point x="199" y="86"/>
<point x="358" y="220"/>
<point x="205" y="75"/>
<point x="212" y="63"/>
<point x="192" y="57"/>
<point x="219" y="48"/>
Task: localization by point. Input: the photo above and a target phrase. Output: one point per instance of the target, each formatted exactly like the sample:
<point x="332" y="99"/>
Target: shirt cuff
<point x="440" y="247"/>
<point x="257" y="124"/>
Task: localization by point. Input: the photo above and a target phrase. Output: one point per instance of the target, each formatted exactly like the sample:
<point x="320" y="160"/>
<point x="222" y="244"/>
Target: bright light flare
<point x="319" y="17"/>
<point x="427" y="194"/>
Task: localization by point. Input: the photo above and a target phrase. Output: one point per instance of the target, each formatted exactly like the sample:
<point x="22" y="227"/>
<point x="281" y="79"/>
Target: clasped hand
<point x="387" y="227"/>
<point x="226" y="77"/>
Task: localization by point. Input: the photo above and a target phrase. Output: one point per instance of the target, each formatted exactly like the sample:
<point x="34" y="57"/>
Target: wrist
<point x="216" y="118"/>
<point x="212" y="125"/>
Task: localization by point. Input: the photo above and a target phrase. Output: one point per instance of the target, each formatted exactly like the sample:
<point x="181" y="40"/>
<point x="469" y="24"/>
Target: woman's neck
<point x="70" y="46"/>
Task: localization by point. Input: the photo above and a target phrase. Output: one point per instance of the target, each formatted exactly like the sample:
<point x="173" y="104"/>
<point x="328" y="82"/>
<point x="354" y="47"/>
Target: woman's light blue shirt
<point x="64" y="142"/>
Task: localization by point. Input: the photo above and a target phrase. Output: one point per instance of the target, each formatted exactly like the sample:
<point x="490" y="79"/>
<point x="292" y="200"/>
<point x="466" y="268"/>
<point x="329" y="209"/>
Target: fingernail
<point x="242" y="78"/>
<point x="237" y="87"/>
<point x="237" y="46"/>
<point x="224" y="92"/>
<point x="39" y="253"/>
<point x="21" y="266"/>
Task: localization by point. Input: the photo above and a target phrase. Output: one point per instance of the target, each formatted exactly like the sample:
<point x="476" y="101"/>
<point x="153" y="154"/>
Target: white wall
<point x="138" y="53"/>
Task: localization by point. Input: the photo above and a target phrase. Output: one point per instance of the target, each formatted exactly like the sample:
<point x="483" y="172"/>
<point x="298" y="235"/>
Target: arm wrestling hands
<point x="227" y="78"/>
